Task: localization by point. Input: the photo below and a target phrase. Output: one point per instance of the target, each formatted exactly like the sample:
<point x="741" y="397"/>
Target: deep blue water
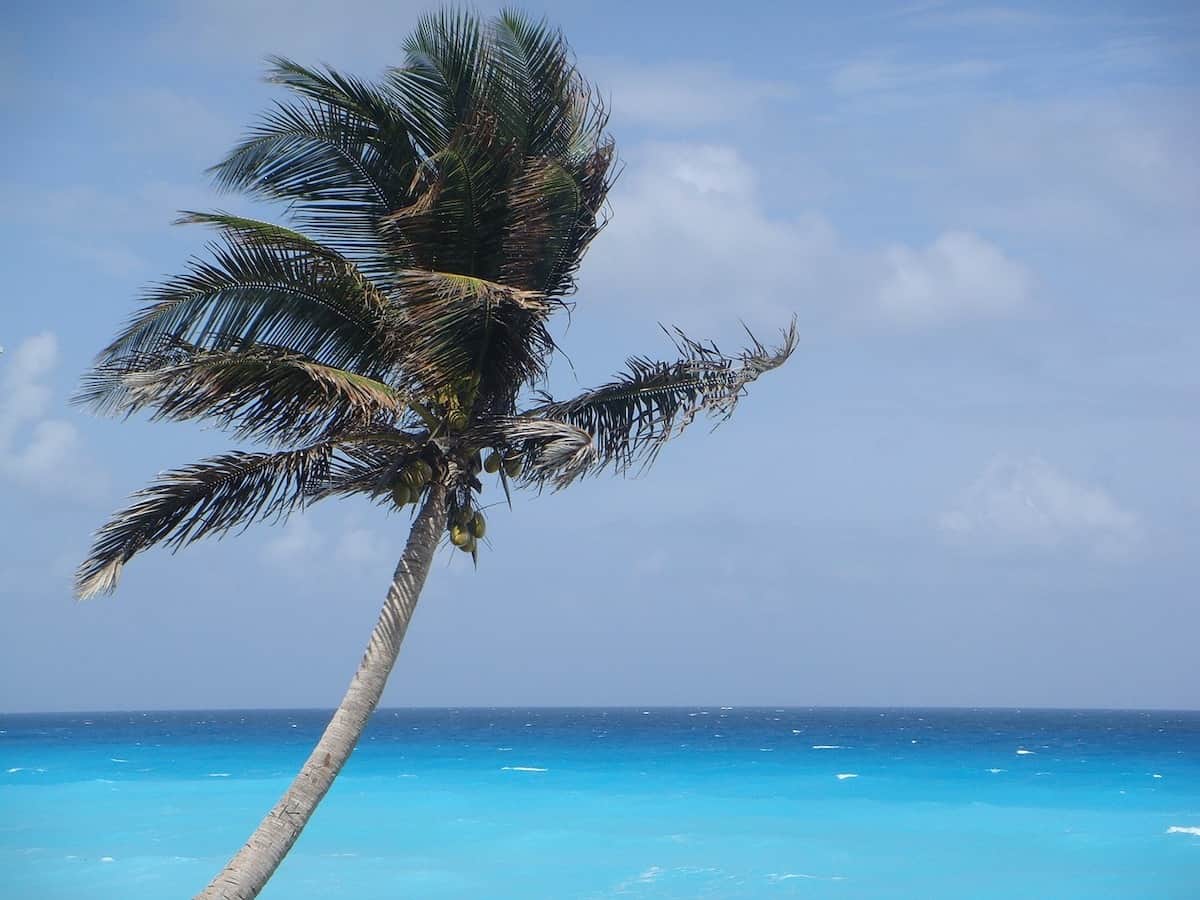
<point x="683" y="803"/>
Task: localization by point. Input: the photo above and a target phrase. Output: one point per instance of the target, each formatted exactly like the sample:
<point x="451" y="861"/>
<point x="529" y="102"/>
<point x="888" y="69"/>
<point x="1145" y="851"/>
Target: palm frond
<point x="258" y="391"/>
<point x="554" y="452"/>
<point x="546" y="107"/>
<point x="631" y="418"/>
<point x="313" y="302"/>
<point x="457" y="326"/>
<point x="243" y="230"/>
<point x="454" y="223"/>
<point x="445" y="78"/>
<point x="550" y="222"/>
<point x="372" y="465"/>
<point x="209" y="497"/>
<point x="341" y="156"/>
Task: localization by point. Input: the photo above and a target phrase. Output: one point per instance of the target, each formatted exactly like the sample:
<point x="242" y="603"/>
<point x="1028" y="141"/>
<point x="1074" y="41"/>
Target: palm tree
<point x="396" y="331"/>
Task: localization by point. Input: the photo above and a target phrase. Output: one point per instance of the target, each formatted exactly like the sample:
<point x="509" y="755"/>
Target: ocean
<point x="589" y="803"/>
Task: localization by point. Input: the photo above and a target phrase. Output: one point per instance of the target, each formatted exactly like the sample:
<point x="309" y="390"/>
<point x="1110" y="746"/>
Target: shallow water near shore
<point x="695" y="802"/>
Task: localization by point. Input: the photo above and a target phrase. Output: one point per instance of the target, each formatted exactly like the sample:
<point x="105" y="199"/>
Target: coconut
<point x="457" y="421"/>
<point x="462" y="516"/>
<point x="491" y="464"/>
<point x="401" y="493"/>
<point x="512" y="466"/>
<point x="411" y="475"/>
<point x="459" y="536"/>
<point x="471" y="546"/>
<point x="478" y="526"/>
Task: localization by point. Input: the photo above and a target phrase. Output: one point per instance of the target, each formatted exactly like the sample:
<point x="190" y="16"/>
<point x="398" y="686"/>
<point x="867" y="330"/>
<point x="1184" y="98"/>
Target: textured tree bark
<point x="246" y="874"/>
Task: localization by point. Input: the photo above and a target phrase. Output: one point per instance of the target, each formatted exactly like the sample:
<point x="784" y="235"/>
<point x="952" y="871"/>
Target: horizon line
<point x="626" y="707"/>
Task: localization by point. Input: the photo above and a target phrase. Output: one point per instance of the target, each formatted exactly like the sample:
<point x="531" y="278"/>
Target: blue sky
<point x="974" y="484"/>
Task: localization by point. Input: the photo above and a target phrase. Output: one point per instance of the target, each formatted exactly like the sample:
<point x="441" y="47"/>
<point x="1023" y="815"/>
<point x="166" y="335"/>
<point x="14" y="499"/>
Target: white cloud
<point x="693" y="234"/>
<point x="36" y="450"/>
<point x="295" y="543"/>
<point x="682" y="95"/>
<point x="959" y="275"/>
<point x="102" y="226"/>
<point x="880" y="74"/>
<point x="1025" y="503"/>
<point x="218" y="32"/>
<point x="359" y="546"/>
<point x="1114" y="168"/>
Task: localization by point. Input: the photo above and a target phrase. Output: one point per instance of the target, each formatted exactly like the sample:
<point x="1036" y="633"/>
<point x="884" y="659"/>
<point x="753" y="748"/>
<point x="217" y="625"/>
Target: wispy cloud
<point x="37" y="449"/>
<point x="684" y="94"/>
<point x="694" y="231"/>
<point x="880" y="74"/>
<point x="1025" y="503"/>
<point x="294" y="544"/>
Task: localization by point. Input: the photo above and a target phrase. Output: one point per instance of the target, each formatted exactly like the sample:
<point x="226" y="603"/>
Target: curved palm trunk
<point x="246" y="874"/>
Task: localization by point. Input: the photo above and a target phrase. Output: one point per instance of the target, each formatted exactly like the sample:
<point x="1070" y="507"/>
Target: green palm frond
<point x="341" y="156"/>
<point x="446" y="77"/>
<point x="313" y="302"/>
<point x="257" y="391"/>
<point x="454" y="221"/>
<point x="209" y="497"/>
<point x="243" y="230"/>
<point x="631" y="418"/>
<point x="550" y="111"/>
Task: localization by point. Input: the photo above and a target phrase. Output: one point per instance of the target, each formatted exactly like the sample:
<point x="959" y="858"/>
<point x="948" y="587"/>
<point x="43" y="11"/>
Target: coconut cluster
<point x="411" y="483"/>
<point x="465" y="524"/>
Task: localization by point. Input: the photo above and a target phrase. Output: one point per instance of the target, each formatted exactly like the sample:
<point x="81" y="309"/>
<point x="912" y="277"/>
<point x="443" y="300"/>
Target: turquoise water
<point x="616" y="803"/>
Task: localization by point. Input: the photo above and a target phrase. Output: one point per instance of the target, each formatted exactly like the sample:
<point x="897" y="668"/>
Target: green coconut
<point x="401" y="493"/>
<point x="457" y="421"/>
<point x="491" y="463"/>
<point x="478" y="526"/>
<point x="424" y="469"/>
<point x="462" y="516"/>
<point x="459" y="536"/>
<point x="513" y="466"/>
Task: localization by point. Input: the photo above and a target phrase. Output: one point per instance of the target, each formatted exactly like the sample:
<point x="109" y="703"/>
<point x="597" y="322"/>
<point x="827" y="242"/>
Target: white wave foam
<point x="117" y="759"/>
<point x="106" y="859"/>
<point x="997" y="771"/>
<point x="786" y="876"/>
<point x="1156" y="775"/>
<point x="1024" y="752"/>
<point x="797" y="731"/>
<point x="218" y="774"/>
<point x="827" y="746"/>
<point x="522" y="769"/>
<point x="842" y="776"/>
<point x="1184" y="829"/>
<point x="15" y="769"/>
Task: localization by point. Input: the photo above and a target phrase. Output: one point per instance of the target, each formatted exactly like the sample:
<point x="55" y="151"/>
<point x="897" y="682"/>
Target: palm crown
<point x="397" y="326"/>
